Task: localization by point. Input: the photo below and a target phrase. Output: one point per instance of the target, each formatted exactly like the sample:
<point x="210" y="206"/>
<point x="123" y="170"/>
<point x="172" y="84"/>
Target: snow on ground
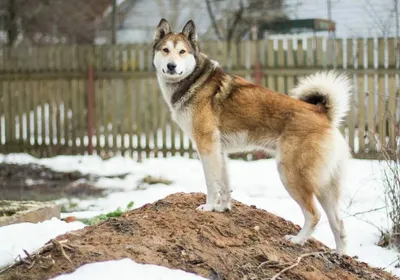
<point x="127" y="269"/>
<point x="254" y="183"/>
<point x="30" y="237"/>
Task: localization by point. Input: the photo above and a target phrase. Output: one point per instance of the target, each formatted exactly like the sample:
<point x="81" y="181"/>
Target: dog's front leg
<point x="215" y="172"/>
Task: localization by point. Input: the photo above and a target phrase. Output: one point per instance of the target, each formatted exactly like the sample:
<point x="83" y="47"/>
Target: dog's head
<point x="175" y="54"/>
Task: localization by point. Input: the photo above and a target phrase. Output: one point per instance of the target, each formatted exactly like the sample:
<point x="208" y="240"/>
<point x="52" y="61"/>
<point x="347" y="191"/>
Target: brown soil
<point x="36" y="182"/>
<point x="171" y="233"/>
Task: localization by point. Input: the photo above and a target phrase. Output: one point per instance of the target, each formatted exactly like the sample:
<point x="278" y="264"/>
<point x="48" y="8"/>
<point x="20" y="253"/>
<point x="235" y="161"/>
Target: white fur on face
<point x="185" y="64"/>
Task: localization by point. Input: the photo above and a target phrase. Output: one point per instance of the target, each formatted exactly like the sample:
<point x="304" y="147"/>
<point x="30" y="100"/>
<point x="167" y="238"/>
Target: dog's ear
<point x="162" y="30"/>
<point x="189" y="30"/>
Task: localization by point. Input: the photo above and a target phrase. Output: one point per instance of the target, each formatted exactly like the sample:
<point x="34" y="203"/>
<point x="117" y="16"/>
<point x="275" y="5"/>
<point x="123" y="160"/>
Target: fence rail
<point x="45" y="102"/>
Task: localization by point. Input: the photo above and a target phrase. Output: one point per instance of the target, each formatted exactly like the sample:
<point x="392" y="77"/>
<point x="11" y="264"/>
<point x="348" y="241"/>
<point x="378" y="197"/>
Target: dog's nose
<point x="171" y="66"/>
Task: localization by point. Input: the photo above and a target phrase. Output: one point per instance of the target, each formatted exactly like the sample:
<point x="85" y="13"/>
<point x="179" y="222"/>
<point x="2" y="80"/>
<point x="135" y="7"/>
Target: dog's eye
<point x="182" y="51"/>
<point x="165" y="50"/>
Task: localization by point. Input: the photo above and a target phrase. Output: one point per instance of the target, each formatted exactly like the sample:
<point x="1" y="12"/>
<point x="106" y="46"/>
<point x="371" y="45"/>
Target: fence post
<point x="90" y="109"/>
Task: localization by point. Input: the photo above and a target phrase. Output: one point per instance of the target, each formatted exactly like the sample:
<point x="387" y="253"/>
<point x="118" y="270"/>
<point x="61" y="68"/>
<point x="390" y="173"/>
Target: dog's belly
<point x="239" y="142"/>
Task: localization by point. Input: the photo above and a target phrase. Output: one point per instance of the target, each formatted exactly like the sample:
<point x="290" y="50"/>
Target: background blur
<point x="82" y="22"/>
<point x="76" y="76"/>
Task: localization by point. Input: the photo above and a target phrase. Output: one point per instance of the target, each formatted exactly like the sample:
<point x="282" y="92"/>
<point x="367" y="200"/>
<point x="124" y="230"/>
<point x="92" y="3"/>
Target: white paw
<point x="206" y="207"/>
<point x="214" y="207"/>
<point x="222" y="207"/>
<point x="295" y="239"/>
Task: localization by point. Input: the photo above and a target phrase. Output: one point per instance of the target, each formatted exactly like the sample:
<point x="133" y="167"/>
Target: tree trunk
<point x="11" y="26"/>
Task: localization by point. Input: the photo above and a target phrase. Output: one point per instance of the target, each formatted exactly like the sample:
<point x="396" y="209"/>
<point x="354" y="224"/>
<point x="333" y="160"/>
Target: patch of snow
<point x="30" y="237"/>
<point x="30" y="182"/>
<point x="253" y="183"/>
<point x="127" y="269"/>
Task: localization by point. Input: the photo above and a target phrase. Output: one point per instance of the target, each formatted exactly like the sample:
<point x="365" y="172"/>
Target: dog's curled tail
<point x="330" y="89"/>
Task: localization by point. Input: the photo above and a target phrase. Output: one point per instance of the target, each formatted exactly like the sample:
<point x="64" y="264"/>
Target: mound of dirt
<point x="246" y="243"/>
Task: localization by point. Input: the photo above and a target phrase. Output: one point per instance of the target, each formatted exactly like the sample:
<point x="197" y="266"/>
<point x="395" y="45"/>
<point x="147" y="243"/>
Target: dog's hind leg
<point x="301" y="191"/>
<point x="329" y="200"/>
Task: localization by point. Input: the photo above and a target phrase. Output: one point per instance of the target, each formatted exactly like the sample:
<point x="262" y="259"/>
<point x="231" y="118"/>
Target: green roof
<point x="289" y="26"/>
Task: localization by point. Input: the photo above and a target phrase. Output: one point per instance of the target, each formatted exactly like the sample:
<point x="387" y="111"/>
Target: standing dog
<point x="223" y="113"/>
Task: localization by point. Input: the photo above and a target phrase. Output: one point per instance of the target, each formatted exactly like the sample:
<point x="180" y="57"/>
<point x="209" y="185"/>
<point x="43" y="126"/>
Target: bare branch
<point x="213" y="20"/>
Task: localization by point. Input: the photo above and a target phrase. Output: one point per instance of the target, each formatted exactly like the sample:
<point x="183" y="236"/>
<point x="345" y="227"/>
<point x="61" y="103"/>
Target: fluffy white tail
<point x="330" y="89"/>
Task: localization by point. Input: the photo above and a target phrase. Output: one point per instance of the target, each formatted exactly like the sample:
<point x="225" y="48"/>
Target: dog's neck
<point x="179" y="93"/>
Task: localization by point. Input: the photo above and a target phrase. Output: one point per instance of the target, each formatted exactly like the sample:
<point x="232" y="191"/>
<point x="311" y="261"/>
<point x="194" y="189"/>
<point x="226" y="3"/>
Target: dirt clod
<point x="171" y="233"/>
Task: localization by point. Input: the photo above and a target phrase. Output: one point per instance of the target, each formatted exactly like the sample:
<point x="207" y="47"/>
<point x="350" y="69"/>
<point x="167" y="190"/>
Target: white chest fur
<point x="183" y="118"/>
<point x="181" y="115"/>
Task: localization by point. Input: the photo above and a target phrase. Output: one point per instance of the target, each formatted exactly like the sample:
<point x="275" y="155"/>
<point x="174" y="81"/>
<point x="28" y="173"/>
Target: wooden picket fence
<point x="50" y="105"/>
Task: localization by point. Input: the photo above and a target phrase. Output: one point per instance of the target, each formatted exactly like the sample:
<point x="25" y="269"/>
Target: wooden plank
<point x="165" y="115"/>
<point x="234" y="56"/>
<point x="270" y="54"/>
<point x="299" y="57"/>
<point x="28" y="110"/>
<point x="361" y="114"/>
<point x="146" y="114"/>
<point x="83" y="119"/>
<point x="392" y="113"/>
<point x="139" y="116"/>
<point x="97" y="113"/>
<point x="19" y="98"/>
<point x="58" y="103"/>
<point x="371" y="114"/>
<point x="50" y="102"/>
<point x="123" y="113"/>
<point x="7" y="109"/>
<point x="339" y="53"/>
<point x="11" y="111"/>
<point x="72" y="115"/>
<point x="381" y="110"/>
<point x="310" y="53"/>
<point x="67" y="103"/>
<point x="156" y="113"/>
<point x="370" y="53"/>
<point x="350" y="63"/>
<point x="360" y="53"/>
<point x="42" y="90"/>
<point x="289" y="53"/>
<point x="35" y="103"/>
<point x="114" y="120"/>
<point x="129" y="57"/>
<point x="242" y="54"/>
<point x="106" y="115"/>
<point x="381" y="52"/>
<point x="290" y="81"/>
<point x="351" y="124"/>
<point x="130" y="117"/>
<point x="319" y="56"/>
<point x="271" y="82"/>
<point x="391" y="52"/>
<point x="281" y="54"/>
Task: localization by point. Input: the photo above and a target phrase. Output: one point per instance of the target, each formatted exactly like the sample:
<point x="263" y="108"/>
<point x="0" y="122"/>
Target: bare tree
<point x="231" y="20"/>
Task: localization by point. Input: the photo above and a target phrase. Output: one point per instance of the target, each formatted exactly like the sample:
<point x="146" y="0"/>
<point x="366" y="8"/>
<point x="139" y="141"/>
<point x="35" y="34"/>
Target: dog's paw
<point x="222" y="208"/>
<point x="295" y="239"/>
<point x="206" y="207"/>
<point x="213" y="207"/>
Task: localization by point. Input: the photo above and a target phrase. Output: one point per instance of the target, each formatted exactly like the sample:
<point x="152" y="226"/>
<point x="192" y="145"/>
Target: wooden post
<point x="90" y="110"/>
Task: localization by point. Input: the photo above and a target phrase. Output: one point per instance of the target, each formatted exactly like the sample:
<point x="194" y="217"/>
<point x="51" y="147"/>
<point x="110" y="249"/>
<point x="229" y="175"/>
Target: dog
<point x="223" y="114"/>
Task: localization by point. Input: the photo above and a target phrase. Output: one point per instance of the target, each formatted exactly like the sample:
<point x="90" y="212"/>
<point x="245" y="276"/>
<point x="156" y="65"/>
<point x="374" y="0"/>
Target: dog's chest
<point x="183" y="118"/>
